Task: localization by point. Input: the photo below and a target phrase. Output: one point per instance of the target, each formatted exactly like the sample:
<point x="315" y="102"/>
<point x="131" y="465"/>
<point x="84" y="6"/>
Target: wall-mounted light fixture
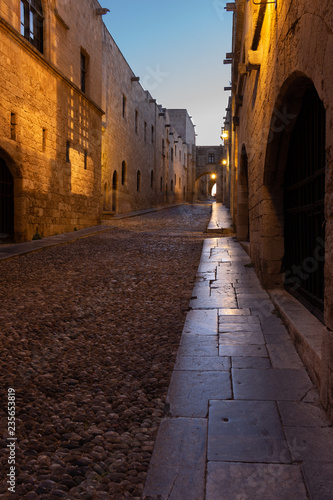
<point x="230" y="7"/>
<point x="224" y="162"/>
<point x="265" y="3"/>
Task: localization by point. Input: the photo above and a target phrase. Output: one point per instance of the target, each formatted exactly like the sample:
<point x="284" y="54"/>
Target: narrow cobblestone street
<point x="89" y="336"/>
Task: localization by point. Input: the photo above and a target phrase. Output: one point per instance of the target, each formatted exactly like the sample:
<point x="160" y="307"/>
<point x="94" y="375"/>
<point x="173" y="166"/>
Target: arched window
<point x="123" y="173"/>
<point x="32" y="22"/>
<point x="138" y="180"/>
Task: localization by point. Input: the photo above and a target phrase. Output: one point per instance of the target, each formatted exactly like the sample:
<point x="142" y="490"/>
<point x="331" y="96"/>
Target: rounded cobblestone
<point x="90" y="332"/>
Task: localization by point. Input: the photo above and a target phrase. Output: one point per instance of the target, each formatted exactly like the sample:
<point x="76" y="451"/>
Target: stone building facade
<point x="50" y="112"/>
<point x="148" y="152"/>
<point x="209" y="171"/>
<point x="281" y="164"/>
<point x="79" y="134"/>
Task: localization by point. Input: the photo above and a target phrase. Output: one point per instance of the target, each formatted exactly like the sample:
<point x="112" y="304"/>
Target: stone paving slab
<point x="234" y="312"/>
<point x="248" y="362"/>
<point x="310" y="444"/>
<point x="233" y="481"/>
<point x="246" y="431"/>
<point x="277" y="338"/>
<point x="299" y="414"/>
<point x="208" y="347"/>
<point x="190" y="391"/>
<point x="192" y="339"/>
<point x="185" y="441"/>
<point x="271" y="385"/>
<point x="319" y="480"/>
<point x="241" y="338"/>
<point x="177" y="467"/>
<point x="202" y="363"/>
<point x="234" y="327"/>
<point x="177" y="482"/>
<point x="241" y="321"/>
<point x="243" y="351"/>
<point x="284" y="355"/>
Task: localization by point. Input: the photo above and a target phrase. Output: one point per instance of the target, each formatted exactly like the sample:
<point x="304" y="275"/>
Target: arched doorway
<point x="6" y="202"/>
<point x="114" y="191"/>
<point x="304" y="195"/>
<point x="105" y="197"/>
<point x="243" y="232"/>
<point x="292" y="216"/>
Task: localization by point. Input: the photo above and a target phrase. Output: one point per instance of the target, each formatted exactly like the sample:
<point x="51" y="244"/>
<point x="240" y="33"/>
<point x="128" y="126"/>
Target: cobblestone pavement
<point x="89" y="337"/>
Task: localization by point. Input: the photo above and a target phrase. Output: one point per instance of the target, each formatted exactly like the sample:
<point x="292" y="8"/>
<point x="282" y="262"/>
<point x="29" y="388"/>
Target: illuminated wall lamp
<point x="265" y="3"/>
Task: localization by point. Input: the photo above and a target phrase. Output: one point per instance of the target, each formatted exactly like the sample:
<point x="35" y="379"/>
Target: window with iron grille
<point x="304" y="193"/>
<point x="32" y="22"/>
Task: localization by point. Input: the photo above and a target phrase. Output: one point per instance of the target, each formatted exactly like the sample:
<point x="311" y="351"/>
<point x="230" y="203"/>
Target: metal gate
<point x="304" y="193"/>
<point x="6" y="202"/>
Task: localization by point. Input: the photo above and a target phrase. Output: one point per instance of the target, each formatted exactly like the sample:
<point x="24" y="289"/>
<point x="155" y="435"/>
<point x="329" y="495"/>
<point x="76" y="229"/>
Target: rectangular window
<point x="163" y="147"/>
<point x="68" y="147"/>
<point x="136" y="121"/>
<point x="24" y="23"/>
<point x="44" y="139"/>
<point x="124" y="106"/>
<point x="171" y="154"/>
<point x="85" y="159"/>
<point x="13" y="126"/>
<point x="152" y="134"/>
<point x="145" y="132"/>
<point x="83" y="72"/>
<point x="31" y="24"/>
<point x="211" y="158"/>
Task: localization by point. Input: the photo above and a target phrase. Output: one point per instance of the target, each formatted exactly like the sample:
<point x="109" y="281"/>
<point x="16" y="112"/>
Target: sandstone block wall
<point x="209" y="163"/>
<point x="41" y="94"/>
<point x="279" y="52"/>
<point x="142" y="137"/>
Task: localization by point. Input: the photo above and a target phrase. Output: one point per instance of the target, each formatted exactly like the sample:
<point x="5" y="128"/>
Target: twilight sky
<point x="177" y="48"/>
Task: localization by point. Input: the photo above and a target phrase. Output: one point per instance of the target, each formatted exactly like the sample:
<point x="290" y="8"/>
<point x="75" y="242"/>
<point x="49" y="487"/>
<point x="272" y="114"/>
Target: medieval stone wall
<point x="208" y="164"/>
<point x="50" y="133"/>
<point x="279" y="53"/>
<point x="142" y="137"/>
